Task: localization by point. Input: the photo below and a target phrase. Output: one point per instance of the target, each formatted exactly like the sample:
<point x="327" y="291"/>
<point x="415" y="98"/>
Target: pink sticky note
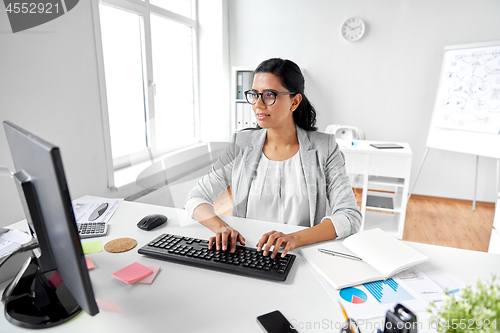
<point x="133" y="273"/>
<point x="90" y="264"/>
<point x="55" y="280"/>
<point x="108" y="306"/>
<point x="149" y="279"/>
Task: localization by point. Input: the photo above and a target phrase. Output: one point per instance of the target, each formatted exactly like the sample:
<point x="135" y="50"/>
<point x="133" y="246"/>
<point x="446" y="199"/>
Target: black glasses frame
<point x="262" y="95"/>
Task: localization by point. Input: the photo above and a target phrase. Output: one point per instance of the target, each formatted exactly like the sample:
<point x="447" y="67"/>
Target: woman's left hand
<point x="278" y="239"/>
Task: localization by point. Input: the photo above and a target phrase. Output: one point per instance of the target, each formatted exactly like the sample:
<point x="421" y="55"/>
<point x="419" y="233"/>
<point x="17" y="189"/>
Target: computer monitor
<point x="54" y="285"/>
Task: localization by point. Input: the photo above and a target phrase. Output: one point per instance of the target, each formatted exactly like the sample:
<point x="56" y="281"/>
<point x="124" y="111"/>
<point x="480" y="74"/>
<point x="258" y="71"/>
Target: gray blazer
<point x="329" y="191"/>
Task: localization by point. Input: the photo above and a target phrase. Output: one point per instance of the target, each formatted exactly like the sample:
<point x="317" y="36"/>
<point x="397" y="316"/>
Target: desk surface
<point x="189" y="299"/>
<point x="363" y="146"/>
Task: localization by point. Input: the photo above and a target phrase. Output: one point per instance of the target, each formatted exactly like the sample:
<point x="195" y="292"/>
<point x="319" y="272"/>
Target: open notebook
<point x="383" y="256"/>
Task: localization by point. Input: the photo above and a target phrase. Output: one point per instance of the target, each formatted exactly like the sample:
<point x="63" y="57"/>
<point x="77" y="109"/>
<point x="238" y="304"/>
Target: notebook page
<point x="339" y="272"/>
<point x="383" y="251"/>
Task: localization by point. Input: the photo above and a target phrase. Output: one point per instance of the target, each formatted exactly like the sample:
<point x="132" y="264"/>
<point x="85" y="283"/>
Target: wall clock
<point x="353" y="29"/>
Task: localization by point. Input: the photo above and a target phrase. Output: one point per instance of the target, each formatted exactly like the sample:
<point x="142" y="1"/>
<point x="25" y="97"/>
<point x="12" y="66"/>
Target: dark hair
<point x="292" y="79"/>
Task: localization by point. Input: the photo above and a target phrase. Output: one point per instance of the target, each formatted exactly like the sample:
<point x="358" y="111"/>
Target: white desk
<point x="494" y="246"/>
<point x="384" y="169"/>
<point x="189" y="299"/>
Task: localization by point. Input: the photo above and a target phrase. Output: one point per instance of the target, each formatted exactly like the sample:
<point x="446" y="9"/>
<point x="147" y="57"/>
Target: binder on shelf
<point x="247" y="81"/>
<point x="247" y="116"/>
<point x="239" y="115"/>
<point x="239" y="85"/>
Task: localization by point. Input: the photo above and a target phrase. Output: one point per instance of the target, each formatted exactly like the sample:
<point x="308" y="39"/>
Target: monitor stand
<point x="38" y="300"/>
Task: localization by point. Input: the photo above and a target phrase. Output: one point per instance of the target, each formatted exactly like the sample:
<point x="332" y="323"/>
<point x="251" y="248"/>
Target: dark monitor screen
<point x="39" y="164"/>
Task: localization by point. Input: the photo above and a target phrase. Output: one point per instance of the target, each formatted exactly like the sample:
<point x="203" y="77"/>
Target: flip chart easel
<point x="466" y="116"/>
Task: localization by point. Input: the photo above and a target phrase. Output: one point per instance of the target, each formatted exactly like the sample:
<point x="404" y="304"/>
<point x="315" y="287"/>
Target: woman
<point x="282" y="171"/>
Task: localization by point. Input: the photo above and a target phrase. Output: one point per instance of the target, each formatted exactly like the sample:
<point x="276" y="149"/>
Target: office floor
<point x="432" y="220"/>
<point x="449" y="222"/>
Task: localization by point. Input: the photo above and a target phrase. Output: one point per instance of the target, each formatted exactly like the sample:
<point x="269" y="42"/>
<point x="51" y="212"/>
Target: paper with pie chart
<point x="375" y="298"/>
<point x="360" y="303"/>
<point x="353" y="295"/>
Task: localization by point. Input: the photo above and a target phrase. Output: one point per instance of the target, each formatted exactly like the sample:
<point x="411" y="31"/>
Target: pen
<point x="339" y="254"/>
<point x="346" y="318"/>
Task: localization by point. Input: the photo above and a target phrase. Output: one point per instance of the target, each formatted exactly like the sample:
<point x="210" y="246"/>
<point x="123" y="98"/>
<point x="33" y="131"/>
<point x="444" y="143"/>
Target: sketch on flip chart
<point x="469" y="92"/>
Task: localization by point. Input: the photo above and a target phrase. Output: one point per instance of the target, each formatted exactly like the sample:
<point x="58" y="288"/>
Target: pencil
<point x="346" y="317"/>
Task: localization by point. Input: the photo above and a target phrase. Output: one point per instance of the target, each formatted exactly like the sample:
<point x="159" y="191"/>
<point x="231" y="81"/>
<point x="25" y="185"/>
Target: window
<point x="148" y="74"/>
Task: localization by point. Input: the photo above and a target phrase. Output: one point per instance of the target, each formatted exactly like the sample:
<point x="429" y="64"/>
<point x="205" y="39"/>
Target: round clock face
<point x="353" y="29"/>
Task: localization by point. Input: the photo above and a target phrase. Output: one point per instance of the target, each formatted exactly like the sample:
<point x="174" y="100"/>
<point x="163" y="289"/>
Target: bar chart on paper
<point x="388" y="291"/>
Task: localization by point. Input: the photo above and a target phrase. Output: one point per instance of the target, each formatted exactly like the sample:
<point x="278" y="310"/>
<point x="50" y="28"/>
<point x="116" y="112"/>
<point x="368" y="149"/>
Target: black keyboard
<point x="194" y="252"/>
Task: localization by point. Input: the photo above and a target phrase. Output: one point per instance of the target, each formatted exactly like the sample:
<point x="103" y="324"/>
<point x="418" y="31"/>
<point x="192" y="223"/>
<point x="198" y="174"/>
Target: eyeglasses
<point x="268" y="96"/>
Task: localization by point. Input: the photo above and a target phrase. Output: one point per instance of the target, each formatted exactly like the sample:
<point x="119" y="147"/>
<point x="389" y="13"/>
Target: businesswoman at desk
<point x="283" y="171"/>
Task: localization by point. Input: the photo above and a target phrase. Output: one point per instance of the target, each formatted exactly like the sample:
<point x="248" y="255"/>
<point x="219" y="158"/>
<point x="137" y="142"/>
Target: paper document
<point x="97" y="210"/>
<point x="382" y="256"/>
<point x="372" y="300"/>
<point x="430" y="282"/>
<point x="11" y="240"/>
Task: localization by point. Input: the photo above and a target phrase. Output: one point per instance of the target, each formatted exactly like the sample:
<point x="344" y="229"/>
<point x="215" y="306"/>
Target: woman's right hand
<point x="226" y="235"/>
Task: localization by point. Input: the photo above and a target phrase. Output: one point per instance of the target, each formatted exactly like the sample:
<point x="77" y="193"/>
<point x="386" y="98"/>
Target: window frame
<point x="145" y="10"/>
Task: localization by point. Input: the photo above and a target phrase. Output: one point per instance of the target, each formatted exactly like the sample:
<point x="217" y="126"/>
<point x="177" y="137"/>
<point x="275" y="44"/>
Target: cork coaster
<point x="120" y="245"/>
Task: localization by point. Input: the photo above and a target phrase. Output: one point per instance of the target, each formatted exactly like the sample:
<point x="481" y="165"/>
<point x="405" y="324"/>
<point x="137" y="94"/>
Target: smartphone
<point x="275" y="322"/>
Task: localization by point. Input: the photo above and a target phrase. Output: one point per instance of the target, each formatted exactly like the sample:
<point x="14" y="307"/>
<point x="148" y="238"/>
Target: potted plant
<point x="470" y="310"/>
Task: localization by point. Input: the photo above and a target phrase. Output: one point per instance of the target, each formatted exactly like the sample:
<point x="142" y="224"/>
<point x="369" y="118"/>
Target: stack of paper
<point x="10" y="241"/>
<point x="89" y="210"/>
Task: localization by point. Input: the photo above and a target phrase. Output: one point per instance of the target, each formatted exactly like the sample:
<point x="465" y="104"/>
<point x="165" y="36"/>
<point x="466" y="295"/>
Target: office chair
<point x="345" y="132"/>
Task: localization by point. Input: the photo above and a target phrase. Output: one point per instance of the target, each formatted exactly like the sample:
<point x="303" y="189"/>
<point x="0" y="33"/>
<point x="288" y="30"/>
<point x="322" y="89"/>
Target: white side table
<point x="382" y="169"/>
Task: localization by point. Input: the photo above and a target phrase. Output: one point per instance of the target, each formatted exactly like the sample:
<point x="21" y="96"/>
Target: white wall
<point x="49" y="86"/>
<point x="386" y="82"/>
<point x="214" y="70"/>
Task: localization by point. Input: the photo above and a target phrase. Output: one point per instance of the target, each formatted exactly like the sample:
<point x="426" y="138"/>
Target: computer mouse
<point x="151" y="221"/>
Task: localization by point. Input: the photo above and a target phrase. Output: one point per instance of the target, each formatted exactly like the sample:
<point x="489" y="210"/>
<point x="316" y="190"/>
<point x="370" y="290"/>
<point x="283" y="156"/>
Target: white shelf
<point x="396" y="201"/>
<point x="241" y="112"/>
<point x="382" y="173"/>
<point x="386" y="181"/>
<point x="387" y="222"/>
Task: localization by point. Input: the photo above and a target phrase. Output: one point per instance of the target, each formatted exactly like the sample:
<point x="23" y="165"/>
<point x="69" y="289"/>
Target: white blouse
<point x="278" y="193"/>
